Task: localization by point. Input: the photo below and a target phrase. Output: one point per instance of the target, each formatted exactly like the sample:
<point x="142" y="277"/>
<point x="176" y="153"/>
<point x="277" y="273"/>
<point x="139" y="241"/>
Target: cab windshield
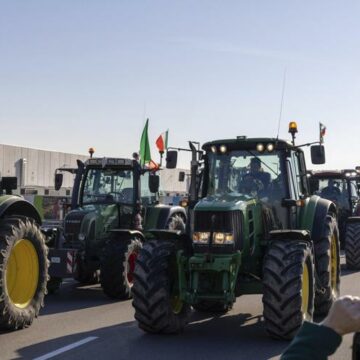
<point x="242" y="172"/>
<point x="337" y="190"/>
<point x="108" y="186"/>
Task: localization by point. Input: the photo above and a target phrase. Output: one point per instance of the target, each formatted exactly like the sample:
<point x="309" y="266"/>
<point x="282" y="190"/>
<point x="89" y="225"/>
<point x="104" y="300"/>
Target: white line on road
<point x="66" y="348"/>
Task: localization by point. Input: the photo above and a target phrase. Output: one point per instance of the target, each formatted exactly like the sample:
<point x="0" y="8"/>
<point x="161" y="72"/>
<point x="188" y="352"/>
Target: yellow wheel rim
<point x="333" y="264"/>
<point x="22" y="273"/>
<point x="176" y="305"/>
<point x="305" y="292"/>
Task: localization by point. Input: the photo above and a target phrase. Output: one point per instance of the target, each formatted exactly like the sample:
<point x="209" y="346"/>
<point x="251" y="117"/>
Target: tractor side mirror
<point x="181" y="176"/>
<point x="9" y="183"/>
<point x="317" y="154"/>
<point x="154" y="183"/>
<point x="171" y="159"/>
<point x="58" y="181"/>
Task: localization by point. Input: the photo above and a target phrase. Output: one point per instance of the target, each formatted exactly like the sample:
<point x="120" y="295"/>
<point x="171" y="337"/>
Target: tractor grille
<point x="72" y="225"/>
<point x="226" y="221"/>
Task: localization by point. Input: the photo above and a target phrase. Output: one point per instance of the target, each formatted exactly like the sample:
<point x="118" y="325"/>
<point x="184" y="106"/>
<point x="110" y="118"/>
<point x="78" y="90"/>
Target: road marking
<point x="66" y="348"/>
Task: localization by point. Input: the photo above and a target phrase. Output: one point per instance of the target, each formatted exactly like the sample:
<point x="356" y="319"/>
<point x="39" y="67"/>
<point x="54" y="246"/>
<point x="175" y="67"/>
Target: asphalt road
<point x="81" y="323"/>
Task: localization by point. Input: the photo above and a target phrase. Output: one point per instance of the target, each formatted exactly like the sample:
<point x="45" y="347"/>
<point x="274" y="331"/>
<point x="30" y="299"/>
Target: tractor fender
<point x="182" y="240"/>
<point x="15" y="205"/>
<point x="288" y="235"/>
<point x="314" y="217"/>
<point x="157" y="217"/>
<point x="125" y="234"/>
<point x="353" y="219"/>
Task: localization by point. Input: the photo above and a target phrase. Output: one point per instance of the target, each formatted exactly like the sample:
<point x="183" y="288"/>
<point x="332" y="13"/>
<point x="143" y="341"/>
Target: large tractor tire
<point x="352" y="245"/>
<point x="82" y="274"/>
<point x="158" y="308"/>
<point x="288" y="280"/>
<point x="327" y="265"/>
<point x="23" y="272"/>
<point x="117" y="267"/>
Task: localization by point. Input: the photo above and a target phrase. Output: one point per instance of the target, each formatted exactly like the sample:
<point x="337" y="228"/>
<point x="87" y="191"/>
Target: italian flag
<point x="145" y="155"/>
<point x="162" y="142"/>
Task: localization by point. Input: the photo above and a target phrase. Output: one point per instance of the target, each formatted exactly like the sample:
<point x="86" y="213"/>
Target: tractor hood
<point x="225" y="202"/>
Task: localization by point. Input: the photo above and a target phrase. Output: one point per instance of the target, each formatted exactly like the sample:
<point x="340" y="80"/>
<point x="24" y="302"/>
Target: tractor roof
<point x="109" y="162"/>
<point x="242" y="142"/>
<point x="345" y="173"/>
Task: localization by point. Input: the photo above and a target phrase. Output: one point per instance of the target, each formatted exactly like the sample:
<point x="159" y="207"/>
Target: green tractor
<point x="341" y="187"/>
<point x="23" y="259"/>
<point x="254" y="229"/>
<point x="113" y="201"/>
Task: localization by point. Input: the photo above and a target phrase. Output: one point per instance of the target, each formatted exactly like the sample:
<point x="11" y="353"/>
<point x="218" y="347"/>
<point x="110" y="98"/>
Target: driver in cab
<point x="257" y="173"/>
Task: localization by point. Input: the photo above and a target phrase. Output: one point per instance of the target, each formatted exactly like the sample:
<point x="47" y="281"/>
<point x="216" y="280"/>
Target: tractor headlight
<point x="201" y="237"/>
<point x="81" y="237"/>
<point x="220" y="238"/>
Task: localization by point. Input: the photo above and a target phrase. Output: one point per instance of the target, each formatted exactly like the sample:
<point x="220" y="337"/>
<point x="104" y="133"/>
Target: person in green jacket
<point x="318" y="341"/>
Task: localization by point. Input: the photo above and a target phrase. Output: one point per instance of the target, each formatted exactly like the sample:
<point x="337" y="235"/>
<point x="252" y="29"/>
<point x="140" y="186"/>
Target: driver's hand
<point x="344" y="315"/>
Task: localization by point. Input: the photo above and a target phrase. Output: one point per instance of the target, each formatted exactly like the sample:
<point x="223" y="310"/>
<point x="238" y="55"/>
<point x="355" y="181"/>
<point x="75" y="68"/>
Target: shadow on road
<point x="345" y="271"/>
<point x="227" y="337"/>
<point x="75" y="297"/>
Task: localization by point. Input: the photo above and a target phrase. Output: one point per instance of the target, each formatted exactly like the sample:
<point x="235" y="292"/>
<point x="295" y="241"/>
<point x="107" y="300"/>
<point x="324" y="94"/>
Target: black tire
<point x="285" y="304"/>
<point x="53" y="284"/>
<point x="82" y="274"/>
<point x="117" y="267"/>
<point x="352" y="246"/>
<point x="327" y="265"/>
<point x="157" y="308"/>
<point x="212" y="307"/>
<point x="22" y="249"/>
<point x="176" y="222"/>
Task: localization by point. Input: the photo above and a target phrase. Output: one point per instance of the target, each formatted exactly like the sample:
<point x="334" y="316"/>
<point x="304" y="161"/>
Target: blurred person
<point x="318" y="341"/>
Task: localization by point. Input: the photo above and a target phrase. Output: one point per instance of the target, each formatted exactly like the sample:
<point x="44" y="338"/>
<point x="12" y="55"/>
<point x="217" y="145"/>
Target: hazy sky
<point x="75" y="74"/>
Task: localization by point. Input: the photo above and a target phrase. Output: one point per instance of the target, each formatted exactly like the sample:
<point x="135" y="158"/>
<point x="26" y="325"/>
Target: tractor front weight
<point x="208" y="277"/>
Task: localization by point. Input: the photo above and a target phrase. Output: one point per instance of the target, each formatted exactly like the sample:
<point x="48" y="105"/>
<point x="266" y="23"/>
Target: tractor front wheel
<point x="352" y="245"/>
<point x="288" y="280"/>
<point x="158" y="307"/>
<point x="23" y="272"/>
<point x="117" y="267"/>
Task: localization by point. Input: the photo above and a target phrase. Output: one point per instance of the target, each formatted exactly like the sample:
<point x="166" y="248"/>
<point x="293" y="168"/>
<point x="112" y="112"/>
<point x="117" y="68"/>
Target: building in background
<point x="35" y="171"/>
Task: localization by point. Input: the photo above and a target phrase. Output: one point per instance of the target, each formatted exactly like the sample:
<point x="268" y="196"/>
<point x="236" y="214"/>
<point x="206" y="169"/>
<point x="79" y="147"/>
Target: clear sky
<point x="75" y="74"/>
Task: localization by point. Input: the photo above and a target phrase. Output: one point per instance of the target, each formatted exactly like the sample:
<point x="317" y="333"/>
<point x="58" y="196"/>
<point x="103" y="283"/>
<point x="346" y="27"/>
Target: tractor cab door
<point x="297" y="184"/>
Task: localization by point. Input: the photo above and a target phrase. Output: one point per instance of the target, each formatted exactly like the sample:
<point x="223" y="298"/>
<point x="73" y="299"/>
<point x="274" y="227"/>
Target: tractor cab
<point x="340" y="187"/>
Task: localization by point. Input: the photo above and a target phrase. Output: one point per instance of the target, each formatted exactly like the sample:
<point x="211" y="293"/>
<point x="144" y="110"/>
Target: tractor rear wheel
<point x="117" y="267"/>
<point x="158" y="308"/>
<point x="23" y="272"/>
<point x="352" y="245"/>
<point x="327" y="265"/>
<point x="288" y="280"/>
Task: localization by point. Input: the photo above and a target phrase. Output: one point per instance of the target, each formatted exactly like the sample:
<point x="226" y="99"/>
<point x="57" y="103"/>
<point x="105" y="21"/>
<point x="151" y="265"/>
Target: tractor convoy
<point x="255" y="221"/>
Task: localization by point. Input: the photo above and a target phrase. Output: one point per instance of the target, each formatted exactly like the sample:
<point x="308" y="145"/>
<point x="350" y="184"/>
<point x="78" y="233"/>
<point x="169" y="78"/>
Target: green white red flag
<point x="162" y="142"/>
<point x="322" y="132"/>
<point x="145" y="155"/>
